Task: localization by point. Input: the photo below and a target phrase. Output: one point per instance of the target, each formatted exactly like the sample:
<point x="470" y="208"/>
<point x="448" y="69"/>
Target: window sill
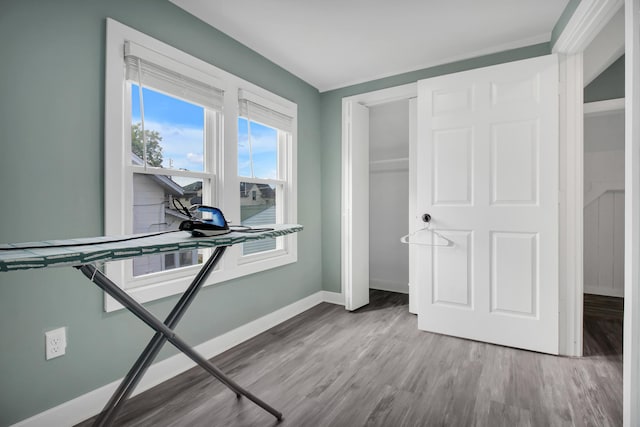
<point x="165" y="287"/>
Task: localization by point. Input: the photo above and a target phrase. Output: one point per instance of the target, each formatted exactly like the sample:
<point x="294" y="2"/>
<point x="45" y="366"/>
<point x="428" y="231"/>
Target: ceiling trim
<point x="587" y="21"/>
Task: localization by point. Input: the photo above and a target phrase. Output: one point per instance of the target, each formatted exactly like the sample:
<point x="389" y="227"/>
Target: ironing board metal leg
<point x="139" y="311"/>
<point x="149" y="354"/>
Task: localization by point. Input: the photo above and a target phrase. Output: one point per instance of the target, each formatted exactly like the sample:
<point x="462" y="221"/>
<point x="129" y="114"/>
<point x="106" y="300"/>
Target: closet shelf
<point x="389" y="165"/>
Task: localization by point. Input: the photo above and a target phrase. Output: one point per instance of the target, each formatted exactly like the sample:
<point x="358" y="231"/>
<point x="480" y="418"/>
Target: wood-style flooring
<point x="373" y="367"/>
<point x="603" y="307"/>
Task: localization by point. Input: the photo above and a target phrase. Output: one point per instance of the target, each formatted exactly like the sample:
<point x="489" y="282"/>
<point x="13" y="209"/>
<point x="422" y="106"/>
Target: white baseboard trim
<point x="333" y="297"/>
<point x="386" y="285"/>
<point x="607" y="292"/>
<point x="90" y="404"/>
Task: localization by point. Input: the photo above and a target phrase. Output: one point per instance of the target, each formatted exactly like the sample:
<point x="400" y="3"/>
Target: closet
<point x="389" y="196"/>
<point x="604" y="198"/>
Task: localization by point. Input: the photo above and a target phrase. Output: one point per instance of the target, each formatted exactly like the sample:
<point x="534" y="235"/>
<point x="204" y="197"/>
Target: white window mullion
<point x="281" y="204"/>
<point x="228" y="175"/>
<point x="166" y="171"/>
<point x="291" y="213"/>
<point x="209" y="155"/>
<point x="262" y="180"/>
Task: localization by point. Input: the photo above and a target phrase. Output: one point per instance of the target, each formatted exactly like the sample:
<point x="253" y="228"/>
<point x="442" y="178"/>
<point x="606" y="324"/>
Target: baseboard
<point x="386" y="285"/>
<point x="90" y="404"/>
<point x="607" y="292"/>
<point x="332" y="297"/>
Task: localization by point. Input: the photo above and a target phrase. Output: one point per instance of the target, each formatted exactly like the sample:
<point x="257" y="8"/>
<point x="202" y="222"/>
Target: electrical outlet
<point x="55" y="343"/>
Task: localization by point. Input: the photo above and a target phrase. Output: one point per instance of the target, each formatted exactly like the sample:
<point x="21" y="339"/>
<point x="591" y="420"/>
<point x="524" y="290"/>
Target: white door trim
<point x="588" y="19"/>
<point x="349" y="164"/>
<point x="414" y="223"/>
<point x="631" y="353"/>
<point x="571" y="204"/>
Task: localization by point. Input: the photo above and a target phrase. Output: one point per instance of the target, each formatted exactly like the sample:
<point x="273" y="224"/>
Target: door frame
<point x="631" y="339"/>
<point x="589" y="18"/>
<point x="349" y="165"/>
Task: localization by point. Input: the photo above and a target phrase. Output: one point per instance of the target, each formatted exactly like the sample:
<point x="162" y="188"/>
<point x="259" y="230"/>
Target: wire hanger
<point x="427" y="220"/>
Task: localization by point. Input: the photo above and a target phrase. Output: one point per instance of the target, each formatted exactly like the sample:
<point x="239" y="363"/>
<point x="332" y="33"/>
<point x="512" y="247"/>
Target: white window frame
<point x="284" y="163"/>
<point x="225" y="182"/>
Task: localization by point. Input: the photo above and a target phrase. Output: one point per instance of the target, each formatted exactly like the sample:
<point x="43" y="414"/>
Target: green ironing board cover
<point x="18" y="256"/>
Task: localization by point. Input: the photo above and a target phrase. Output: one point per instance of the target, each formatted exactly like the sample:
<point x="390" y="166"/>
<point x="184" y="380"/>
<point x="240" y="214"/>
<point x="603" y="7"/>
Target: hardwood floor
<point x="330" y="367"/>
<point x="603" y="307"/>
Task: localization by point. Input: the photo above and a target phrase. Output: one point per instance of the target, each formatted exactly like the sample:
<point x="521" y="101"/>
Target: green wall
<point x="608" y="85"/>
<point x="331" y="124"/>
<point x="51" y="168"/>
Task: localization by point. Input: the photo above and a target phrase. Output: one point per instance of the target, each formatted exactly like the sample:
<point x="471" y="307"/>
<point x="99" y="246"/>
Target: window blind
<point x="146" y="67"/>
<point x="250" y="107"/>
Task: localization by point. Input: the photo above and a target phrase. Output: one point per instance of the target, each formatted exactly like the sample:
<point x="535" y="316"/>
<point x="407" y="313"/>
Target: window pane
<point x="174" y="130"/>
<point x="257" y="207"/>
<point x="258" y="155"/>
<point x="153" y="211"/>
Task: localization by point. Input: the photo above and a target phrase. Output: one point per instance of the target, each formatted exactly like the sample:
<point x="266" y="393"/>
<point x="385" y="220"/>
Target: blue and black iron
<point x="205" y="227"/>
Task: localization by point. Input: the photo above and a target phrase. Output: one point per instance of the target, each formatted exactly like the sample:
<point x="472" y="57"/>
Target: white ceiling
<point x="336" y="43"/>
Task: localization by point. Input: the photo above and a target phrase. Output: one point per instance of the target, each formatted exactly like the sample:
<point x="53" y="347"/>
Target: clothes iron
<point x="206" y="227"/>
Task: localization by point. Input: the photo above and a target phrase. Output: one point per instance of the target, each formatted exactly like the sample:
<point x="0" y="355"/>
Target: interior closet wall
<point x="604" y="203"/>
<point x="389" y="196"/>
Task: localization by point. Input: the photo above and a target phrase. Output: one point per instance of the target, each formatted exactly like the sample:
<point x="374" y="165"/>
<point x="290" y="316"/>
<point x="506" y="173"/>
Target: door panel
<point x="452" y="281"/>
<point x="488" y="174"/>
<point x="452" y="100"/>
<point x="452" y="150"/>
<point x="514" y="284"/>
<point x="514" y="158"/>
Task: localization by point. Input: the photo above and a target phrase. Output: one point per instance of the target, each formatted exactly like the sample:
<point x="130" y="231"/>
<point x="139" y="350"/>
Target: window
<point x="165" y="143"/>
<point x="264" y="135"/>
<point x="169" y="115"/>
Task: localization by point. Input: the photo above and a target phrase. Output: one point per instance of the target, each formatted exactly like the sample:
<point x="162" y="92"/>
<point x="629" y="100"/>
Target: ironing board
<point x="83" y="253"/>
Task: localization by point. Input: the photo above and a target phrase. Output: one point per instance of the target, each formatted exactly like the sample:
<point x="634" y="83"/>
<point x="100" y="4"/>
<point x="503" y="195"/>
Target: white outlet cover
<point x="55" y="343"/>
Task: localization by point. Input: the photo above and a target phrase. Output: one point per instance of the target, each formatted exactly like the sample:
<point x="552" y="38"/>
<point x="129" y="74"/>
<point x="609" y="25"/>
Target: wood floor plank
<point x="373" y="367"/>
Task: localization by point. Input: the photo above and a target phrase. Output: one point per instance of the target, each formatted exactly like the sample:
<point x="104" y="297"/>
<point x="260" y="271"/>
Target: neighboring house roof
<point x="164" y="181"/>
<point x="193" y="192"/>
<point x="265" y="190"/>
<point x="194" y="187"/>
